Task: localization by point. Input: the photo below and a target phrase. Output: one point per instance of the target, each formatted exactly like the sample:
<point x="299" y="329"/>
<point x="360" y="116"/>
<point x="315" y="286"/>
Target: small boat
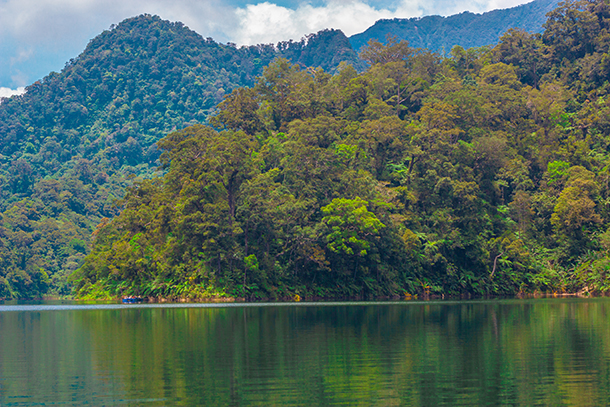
<point x="132" y="300"/>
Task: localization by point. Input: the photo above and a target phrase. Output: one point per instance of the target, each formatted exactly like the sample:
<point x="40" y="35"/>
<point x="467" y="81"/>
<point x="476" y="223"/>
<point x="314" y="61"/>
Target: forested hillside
<point x="71" y="143"/>
<point x="484" y="173"/>
<point x="441" y="34"/>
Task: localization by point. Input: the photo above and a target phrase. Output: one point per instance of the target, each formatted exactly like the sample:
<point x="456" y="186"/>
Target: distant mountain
<point x="70" y="144"/>
<point x="467" y="29"/>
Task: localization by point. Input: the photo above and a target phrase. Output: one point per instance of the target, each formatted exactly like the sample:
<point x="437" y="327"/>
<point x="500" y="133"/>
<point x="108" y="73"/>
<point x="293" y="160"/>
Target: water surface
<point x="549" y="352"/>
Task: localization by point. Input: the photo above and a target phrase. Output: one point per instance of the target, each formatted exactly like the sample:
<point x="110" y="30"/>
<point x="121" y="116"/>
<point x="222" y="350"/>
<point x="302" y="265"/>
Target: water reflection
<point x="534" y="352"/>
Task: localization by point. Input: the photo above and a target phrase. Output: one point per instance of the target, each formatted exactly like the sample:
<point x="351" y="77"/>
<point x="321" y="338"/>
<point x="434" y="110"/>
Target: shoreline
<point x="296" y="298"/>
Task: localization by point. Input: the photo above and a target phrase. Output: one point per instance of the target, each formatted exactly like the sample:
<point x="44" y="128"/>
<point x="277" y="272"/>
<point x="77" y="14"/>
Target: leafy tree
<point x="350" y="225"/>
<point x="392" y="51"/>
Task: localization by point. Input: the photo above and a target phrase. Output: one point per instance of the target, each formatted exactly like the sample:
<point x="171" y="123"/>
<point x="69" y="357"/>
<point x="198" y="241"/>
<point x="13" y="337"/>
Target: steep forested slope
<point x="467" y="29"/>
<point x="69" y="145"/>
<point x="485" y="173"/>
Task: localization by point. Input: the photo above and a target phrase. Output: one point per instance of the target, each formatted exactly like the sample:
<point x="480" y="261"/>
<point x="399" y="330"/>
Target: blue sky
<point x="40" y="36"/>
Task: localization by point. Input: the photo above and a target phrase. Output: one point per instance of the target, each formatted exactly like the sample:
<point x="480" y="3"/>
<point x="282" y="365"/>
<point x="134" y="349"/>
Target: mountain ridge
<point x="432" y="32"/>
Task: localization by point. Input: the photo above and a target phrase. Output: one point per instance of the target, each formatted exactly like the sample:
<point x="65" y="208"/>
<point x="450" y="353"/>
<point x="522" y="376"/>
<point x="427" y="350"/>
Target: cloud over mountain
<point x="7" y="92"/>
<point x="268" y="22"/>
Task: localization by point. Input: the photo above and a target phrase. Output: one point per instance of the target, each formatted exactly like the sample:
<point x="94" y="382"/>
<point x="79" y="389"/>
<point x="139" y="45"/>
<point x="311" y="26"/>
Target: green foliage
<point x="350" y="224"/>
<point x="556" y="171"/>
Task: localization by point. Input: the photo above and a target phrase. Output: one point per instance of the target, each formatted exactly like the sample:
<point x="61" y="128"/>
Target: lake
<point x="546" y="352"/>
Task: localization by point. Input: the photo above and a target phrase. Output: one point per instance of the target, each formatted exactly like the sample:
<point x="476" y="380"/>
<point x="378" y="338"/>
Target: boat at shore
<point x="131" y="300"/>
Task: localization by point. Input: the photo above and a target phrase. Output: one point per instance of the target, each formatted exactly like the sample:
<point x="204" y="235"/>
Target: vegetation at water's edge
<point x="484" y="173"/>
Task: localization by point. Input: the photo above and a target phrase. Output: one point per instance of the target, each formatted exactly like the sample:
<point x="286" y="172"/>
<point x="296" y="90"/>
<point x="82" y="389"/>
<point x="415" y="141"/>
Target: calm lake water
<point x="548" y="352"/>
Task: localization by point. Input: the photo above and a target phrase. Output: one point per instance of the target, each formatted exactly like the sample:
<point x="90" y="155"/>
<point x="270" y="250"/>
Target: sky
<point x="40" y="36"/>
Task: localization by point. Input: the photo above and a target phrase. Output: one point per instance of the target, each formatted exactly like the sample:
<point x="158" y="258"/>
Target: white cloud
<point x="269" y="23"/>
<point x="501" y="4"/>
<point x="8" y="92"/>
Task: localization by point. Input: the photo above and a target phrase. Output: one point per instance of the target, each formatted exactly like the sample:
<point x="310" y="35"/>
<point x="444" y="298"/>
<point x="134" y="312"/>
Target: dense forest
<point x="483" y="173"/>
<point x="75" y="140"/>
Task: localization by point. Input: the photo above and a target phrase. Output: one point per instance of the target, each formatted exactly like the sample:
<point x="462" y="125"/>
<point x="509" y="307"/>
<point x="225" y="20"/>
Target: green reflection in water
<point x="535" y="352"/>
